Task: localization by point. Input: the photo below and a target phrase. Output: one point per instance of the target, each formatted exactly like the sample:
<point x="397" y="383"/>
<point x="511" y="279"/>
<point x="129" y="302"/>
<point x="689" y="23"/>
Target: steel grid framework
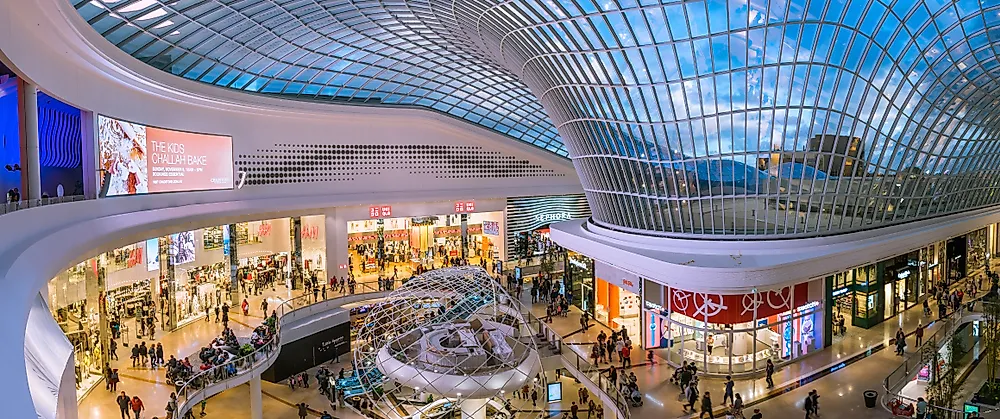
<point x="706" y="118"/>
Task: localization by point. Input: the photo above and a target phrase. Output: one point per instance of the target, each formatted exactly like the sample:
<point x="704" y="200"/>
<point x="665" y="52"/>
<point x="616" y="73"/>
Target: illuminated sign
<point x="465" y="206"/>
<point x="842" y="291"/>
<point x="491" y="228"/>
<point x="310" y="232"/>
<point x="903" y="275"/>
<point x="379" y="211"/>
<point x="137" y="159"/>
<point x="552" y="216"/>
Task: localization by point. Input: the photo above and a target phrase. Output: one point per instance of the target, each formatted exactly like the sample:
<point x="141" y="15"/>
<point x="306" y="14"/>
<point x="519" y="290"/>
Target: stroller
<point x="635" y="398"/>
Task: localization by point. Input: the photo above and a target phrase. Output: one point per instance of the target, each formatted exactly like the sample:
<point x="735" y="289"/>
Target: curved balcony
<point x="242" y="369"/>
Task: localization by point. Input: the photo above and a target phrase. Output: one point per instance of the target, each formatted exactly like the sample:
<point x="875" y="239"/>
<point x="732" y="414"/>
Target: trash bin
<point x="871" y="397"/>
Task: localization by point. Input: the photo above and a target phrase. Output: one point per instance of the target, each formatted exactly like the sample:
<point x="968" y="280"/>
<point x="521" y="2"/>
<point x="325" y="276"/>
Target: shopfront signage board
<point x="465" y="207"/>
<point x="491" y="228"/>
<point x="379" y="211"/>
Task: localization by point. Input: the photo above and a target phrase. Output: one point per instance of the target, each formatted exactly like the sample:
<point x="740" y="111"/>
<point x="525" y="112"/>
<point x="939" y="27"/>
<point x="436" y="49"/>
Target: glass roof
<point x="366" y="52"/>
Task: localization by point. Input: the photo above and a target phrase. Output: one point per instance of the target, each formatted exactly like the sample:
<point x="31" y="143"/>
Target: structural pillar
<point x="296" y="227"/>
<point x="474" y="408"/>
<point x="465" y="236"/>
<point x="92" y="177"/>
<point x="231" y="240"/>
<point x="168" y="301"/>
<point x="337" y="263"/>
<point x="31" y="175"/>
<point x="256" y="405"/>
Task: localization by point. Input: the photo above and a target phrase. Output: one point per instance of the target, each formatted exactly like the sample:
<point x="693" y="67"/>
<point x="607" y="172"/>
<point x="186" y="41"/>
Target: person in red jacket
<point x="137" y="406"/>
<point x="246" y="307"/>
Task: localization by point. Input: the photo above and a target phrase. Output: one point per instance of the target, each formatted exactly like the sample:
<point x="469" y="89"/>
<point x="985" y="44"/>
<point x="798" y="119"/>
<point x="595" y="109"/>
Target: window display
<point x="74" y="298"/>
<point x="721" y="338"/>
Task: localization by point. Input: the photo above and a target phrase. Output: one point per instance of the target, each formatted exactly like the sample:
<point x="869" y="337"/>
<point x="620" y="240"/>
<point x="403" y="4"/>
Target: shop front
<point x="868" y="295"/>
<point x="732" y="334"/>
<point x="74" y="297"/>
<point x="580" y="281"/>
<point x="403" y="246"/>
<point x="616" y="300"/>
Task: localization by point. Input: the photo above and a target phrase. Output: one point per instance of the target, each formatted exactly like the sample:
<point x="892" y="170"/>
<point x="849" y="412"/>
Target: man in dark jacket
<point x="124" y="402"/>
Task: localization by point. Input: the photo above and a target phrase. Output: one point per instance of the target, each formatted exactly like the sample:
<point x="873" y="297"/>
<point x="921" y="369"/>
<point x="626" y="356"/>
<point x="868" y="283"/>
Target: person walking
<point x="728" y="395"/>
<point x="574" y="410"/>
<point x="900" y="341"/>
<point x="303" y="410"/>
<point x="691" y="394"/>
<point x="263" y="306"/>
<point x="113" y="349"/>
<point x="124" y="403"/>
<point x="245" y="305"/>
<point x="815" y="401"/>
<point x="706" y="406"/>
<point x="135" y="356"/>
<point x="769" y="369"/>
<point x="808" y="405"/>
<point x="534" y="397"/>
<point x="921" y="408"/>
<point x="113" y="378"/>
<point x="136" y="405"/>
<point x="626" y="354"/>
<point x="159" y="353"/>
<point x="919" y="334"/>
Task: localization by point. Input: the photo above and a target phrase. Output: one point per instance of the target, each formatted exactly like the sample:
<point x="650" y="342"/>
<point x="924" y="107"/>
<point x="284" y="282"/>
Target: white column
<point x="30" y="166"/>
<point x="256" y="405"/>
<point x="336" y="244"/>
<point x="88" y="139"/>
<point x="474" y="408"/>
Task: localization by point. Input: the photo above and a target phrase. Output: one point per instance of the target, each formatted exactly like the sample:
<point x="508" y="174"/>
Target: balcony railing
<point x="196" y="388"/>
<point x="10" y="207"/>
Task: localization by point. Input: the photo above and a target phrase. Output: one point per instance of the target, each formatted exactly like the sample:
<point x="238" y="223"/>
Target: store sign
<point x="134" y="257"/>
<point x="264" y="229"/>
<point x="737" y="308"/>
<point x="617" y="277"/>
<point x="491" y="228"/>
<point x="310" y="232"/>
<point x="903" y="275"/>
<point x="379" y="211"/>
<point x="842" y="291"/>
<point x="552" y="216"/>
<point x="465" y="206"/>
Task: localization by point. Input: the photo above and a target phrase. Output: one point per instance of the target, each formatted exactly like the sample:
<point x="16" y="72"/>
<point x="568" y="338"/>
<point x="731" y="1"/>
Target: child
<point x="649" y="357"/>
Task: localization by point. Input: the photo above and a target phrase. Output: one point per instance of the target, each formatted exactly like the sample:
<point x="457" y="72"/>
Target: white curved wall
<point x="50" y="45"/>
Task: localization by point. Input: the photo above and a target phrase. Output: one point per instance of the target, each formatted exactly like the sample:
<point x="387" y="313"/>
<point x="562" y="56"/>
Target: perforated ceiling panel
<point x="303" y="163"/>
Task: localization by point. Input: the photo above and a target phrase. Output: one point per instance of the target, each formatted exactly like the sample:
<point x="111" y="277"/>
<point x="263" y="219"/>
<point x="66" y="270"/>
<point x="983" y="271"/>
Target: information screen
<point x="138" y="159"/>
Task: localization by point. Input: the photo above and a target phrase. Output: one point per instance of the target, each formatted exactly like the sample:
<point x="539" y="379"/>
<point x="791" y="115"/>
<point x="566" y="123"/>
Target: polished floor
<point x="840" y="392"/>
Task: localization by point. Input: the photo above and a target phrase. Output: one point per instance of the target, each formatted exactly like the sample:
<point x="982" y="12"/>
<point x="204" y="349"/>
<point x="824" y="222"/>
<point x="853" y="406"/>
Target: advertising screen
<point x="181" y="248"/>
<point x="137" y="159"/>
<point x="152" y="254"/>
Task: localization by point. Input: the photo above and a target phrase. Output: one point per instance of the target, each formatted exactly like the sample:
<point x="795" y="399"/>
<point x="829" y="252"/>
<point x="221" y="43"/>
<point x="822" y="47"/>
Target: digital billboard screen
<point x="138" y="159"/>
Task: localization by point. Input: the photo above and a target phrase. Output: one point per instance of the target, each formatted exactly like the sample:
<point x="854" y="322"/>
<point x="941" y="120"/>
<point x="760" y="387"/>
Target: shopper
<point x="113" y="349"/>
<point x="216" y="314"/>
<point x="171" y="407"/>
<point x="135" y="356"/>
<point x="159" y="353"/>
<point x="626" y="355"/>
<point x="113" y="378"/>
<point x="921" y="408"/>
<point x="574" y="410"/>
<point x="815" y="401"/>
<point x="303" y="410"/>
<point x="534" y="397"/>
<point x="706" y="406"/>
<point x="143" y="353"/>
<point x="919" y="334"/>
<point x="691" y="395"/>
<point x="246" y="307"/>
<point x="808" y="405"/>
<point x="728" y="395"/>
<point x="756" y="414"/>
<point x="124" y="403"/>
<point x="769" y="369"/>
<point x="137" y="407"/>
<point x="900" y="341"/>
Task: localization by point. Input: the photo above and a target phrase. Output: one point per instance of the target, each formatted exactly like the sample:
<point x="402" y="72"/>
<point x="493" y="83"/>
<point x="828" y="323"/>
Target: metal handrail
<point x="9" y="207"/>
<point x="582" y="365"/>
<point x="895" y="381"/>
<point x="193" y="389"/>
